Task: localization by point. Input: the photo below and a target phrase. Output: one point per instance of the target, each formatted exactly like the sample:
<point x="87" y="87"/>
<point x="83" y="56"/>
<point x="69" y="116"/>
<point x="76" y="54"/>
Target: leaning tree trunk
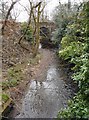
<point x="7" y="16"/>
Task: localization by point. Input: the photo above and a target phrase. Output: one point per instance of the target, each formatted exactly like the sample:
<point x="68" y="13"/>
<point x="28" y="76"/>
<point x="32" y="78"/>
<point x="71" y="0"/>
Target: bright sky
<point x="51" y="4"/>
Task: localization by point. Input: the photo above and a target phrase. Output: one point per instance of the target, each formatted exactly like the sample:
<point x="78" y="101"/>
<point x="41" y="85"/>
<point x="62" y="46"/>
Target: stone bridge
<point x="46" y="29"/>
<point x="50" y="25"/>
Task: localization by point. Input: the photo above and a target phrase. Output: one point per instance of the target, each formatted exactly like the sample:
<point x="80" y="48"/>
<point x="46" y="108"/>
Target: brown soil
<point x="13" y="55"/>
<point x="39" y="72"/>
<point x="33" y="73"/>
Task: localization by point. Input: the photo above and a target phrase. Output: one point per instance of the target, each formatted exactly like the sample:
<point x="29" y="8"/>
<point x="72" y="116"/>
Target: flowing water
<point x="45" y="98"/>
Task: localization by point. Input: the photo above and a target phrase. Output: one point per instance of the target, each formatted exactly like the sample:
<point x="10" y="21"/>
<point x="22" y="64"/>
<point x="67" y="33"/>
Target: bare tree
<point x="16" y="14"/>
<point x="29" y="21"/>
<point x="7" y="15"/>
<point x="34" y="16"/>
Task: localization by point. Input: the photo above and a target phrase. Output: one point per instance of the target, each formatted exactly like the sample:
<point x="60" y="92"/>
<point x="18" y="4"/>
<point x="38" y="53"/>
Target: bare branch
<point x="7" y="15"/>
<point x="25" y="8"/>
<point x="29" y="21"/>
<point x="42" y="8"/>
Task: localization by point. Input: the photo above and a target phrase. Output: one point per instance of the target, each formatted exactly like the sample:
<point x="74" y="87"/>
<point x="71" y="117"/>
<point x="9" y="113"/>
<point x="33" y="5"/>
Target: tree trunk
<point x="37" y="32"/>
<point x="7" y="15"/>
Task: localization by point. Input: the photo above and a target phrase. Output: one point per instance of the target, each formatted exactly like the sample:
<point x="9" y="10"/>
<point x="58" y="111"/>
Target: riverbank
<point x="48" y="90"/>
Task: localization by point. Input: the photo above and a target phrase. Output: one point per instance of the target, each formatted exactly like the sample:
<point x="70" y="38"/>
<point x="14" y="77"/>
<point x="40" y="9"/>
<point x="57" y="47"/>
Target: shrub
<point x="77" y="51"/>
<point x="29" y="32"/>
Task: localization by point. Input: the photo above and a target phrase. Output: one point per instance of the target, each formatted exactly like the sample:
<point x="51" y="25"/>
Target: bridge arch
<point x="46" y="30"/>
<point x="50" y="25"/>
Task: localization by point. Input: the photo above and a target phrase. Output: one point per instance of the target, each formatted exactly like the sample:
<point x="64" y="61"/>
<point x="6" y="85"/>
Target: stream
<point x="45" y="98"/>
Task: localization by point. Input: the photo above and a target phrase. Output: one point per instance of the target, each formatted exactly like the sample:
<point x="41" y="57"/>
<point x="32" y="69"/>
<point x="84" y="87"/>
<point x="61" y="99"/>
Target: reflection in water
<point x="45" y="99"/>
<point x="40" y="46"/>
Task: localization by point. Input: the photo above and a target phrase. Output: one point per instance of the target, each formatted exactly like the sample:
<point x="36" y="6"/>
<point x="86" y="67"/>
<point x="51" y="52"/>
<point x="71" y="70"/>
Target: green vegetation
<point x="62" y="17"/>
<point x="9" y="83"/>
<point x="75" y="49"/>
<point x="77" y="108"/>
<point x="5" y="97"/>
<point x="29" y="33"/>
<point x="72" y="34"/>
<point x="15" y="74"/>
<point x="14" y="77"/>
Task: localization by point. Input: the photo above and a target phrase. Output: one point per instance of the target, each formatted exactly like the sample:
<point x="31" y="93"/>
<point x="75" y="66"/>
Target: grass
<point x="15" y="74"/>
<point x="9" y="83"/>
<point x="13" y="78"/>
<point x="5" y="97"/>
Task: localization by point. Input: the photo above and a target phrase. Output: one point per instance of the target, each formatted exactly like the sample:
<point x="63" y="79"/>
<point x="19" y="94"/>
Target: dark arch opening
<point x="44" y="31"/>
<point x="45" y="37"/>
<point x="46" y="41"/>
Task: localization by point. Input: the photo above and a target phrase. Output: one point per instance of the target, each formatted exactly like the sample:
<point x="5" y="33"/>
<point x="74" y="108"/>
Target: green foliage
<point x="71" y="50"/>
<point x="5" y="97"/>
<point x="77" y="108"/>
<point x="14" y="73"/>
<point x="14" y="77"/>
<point x="9" y="83"/>
<point x="65" y="41"/>
<point x="29" y="32"/>
<point x="75" y="48"/>
<point x="62" y="17"/>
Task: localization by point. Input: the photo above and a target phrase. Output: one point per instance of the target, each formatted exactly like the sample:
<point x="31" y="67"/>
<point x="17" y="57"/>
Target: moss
<point x="13" y="78"/>
<point x="5" y="97"/>
<point x="9" y="83"/>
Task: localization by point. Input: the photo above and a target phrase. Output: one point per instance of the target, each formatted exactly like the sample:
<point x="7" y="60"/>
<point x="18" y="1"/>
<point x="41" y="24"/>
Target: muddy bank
<point x="48" y="90"/>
